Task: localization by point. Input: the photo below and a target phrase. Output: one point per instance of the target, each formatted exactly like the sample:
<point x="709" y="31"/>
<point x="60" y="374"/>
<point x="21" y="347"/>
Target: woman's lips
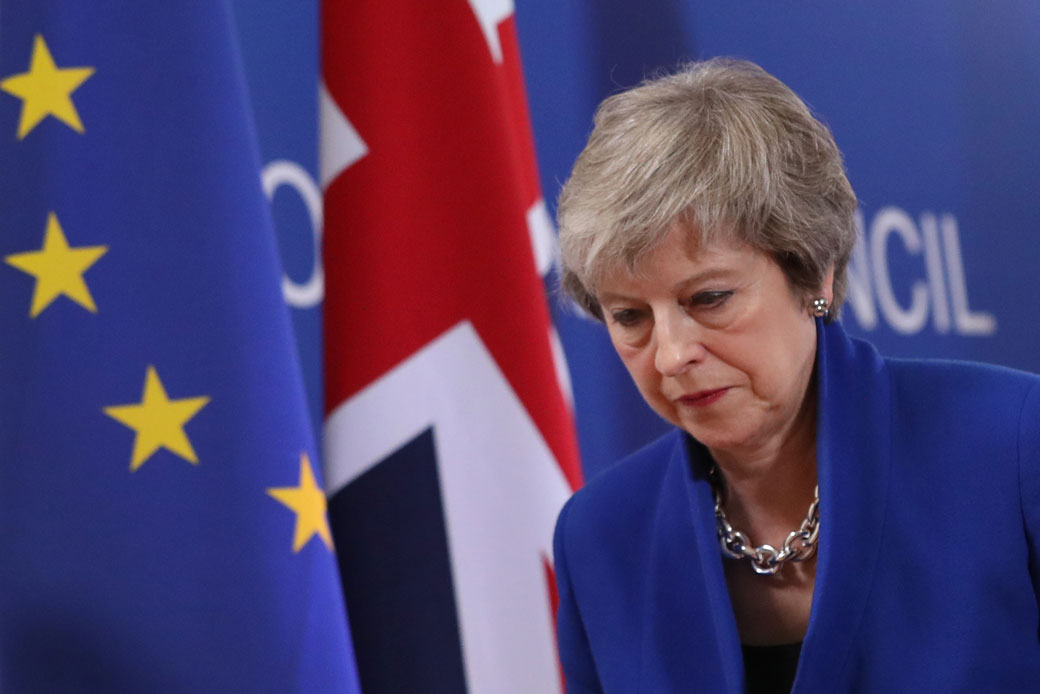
<point x="703" y="398"/>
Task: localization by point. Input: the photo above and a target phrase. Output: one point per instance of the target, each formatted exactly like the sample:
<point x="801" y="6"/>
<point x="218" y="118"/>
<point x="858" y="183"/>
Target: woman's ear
<point x="827" y="288"/>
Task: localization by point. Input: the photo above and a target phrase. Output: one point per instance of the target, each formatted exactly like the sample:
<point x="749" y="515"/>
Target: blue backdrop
<point x="934" y="104"/>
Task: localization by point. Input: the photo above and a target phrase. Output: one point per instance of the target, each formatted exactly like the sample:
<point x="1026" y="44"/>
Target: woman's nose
<point x="679" y="344"/>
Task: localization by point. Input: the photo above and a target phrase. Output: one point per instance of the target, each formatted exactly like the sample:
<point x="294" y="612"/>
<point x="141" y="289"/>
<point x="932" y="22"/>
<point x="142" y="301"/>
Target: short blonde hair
<point x="720" y="146"/>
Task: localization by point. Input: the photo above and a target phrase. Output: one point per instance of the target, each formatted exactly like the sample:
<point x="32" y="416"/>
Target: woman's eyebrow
<point x="719" y="272"/>
<point x="709" y="273"/>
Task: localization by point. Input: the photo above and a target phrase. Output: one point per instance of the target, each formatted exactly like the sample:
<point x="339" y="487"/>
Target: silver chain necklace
<point x="766" y="559"/>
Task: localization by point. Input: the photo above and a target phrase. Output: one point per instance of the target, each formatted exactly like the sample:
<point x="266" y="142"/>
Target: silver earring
<point x="819" y="307"/>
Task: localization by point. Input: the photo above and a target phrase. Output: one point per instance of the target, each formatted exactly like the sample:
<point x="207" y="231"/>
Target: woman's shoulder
<point x="942" y="379"/>
<point x="621" y="493"/>
<point x="637" y="469"/>
<point x="922" y="380"/>
<point x="980" y="405"/>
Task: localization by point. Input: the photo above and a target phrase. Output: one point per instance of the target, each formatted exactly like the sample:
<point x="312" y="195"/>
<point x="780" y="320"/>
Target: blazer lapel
<point x="691" y="642"/>
<point x="702" y="507"/>
<point x="853" y="453"/>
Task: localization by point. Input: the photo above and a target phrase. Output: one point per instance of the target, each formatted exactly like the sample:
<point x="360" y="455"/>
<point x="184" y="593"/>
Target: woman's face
<point x="716" y="341"/>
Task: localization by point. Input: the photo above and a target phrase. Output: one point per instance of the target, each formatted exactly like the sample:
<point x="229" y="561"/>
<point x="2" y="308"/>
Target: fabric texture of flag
<point x="162" y="523"/>
<point x="449" y="441"/>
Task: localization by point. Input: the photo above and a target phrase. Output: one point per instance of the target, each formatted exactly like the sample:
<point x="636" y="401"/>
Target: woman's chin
<point x="715" y="439"/>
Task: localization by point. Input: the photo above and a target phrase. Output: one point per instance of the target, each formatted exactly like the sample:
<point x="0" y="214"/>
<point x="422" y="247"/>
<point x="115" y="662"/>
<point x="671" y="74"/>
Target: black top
<point x="770" y="669"/>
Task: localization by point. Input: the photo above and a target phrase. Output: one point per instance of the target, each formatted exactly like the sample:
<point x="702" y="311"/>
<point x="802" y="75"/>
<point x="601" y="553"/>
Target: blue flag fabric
<point x="162" y="526"/>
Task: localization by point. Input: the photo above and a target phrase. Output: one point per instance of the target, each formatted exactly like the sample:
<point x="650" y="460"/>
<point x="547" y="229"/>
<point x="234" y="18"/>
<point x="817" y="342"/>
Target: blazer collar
<point x="853" y="458"/>
<point x="691" y="641"/>
<point x="853" y="455"/>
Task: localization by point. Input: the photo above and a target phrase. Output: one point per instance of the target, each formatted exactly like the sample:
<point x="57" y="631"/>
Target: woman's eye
<point x="626" y="317"/>
<point x="710" y="299"/>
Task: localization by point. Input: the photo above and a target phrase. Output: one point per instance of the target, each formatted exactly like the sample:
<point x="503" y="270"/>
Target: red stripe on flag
<point x="516" y="114"/>
<point x="554" y="605"/>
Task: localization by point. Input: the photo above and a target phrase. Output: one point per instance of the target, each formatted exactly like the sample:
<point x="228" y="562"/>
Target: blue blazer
<point x="929" y="553"/>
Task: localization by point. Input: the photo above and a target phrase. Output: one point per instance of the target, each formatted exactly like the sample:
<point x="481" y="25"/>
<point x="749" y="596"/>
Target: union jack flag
<point x="449" y="438"/>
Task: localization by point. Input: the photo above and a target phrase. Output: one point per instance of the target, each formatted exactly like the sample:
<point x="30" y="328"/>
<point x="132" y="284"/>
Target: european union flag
<point x="162" y="525"/>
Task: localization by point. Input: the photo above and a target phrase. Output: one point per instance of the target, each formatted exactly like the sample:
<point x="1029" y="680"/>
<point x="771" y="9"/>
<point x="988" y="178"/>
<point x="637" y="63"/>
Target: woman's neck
<point x="769" y="490"/>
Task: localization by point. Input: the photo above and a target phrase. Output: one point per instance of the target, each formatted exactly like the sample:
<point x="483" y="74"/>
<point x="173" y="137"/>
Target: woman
<point x="709" y="224"/>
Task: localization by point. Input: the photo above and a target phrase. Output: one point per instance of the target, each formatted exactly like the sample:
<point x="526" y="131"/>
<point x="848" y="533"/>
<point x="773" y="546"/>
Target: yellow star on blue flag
<point x="307" y="501"/>
<point x="46" y="90"/>
<point x="158" y="421"/>
<point x="58" y="269"/>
